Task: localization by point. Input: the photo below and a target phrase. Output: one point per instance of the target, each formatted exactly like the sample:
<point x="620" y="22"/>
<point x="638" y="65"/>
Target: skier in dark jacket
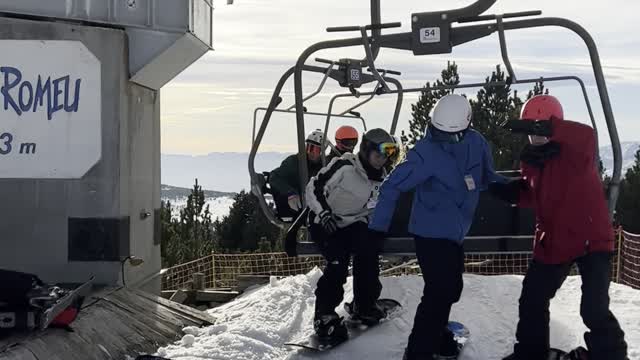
<point x="447" y="169"/>
<point x="285" y="180"/>
<point x="341" y="198"/>
<point x="560" y="181"/>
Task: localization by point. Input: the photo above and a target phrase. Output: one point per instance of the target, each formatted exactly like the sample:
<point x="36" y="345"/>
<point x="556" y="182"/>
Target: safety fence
<point x="223" y="270"/>
<point x="629" y="264"/>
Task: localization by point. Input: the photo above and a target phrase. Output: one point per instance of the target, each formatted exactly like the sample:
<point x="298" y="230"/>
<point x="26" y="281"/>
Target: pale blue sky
<point x="209" y="106"/>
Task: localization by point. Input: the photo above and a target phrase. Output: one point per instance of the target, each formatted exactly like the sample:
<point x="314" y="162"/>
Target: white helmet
<point x="315" y="137"/>
<point x="452" y="113"/>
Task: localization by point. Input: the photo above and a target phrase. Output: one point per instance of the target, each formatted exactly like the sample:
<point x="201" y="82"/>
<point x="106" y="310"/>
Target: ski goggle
<point x="347" y="143"/>
<point x="388" y="149"/>
<point x="313" y="149"/>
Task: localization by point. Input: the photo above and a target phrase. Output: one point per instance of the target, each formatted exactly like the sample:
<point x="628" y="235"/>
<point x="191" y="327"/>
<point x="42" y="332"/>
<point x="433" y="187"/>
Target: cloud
<point x="210" y="105"/>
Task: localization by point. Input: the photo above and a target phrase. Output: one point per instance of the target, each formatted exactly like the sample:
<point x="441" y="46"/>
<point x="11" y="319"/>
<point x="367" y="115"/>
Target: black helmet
<point x="378" y="140"/>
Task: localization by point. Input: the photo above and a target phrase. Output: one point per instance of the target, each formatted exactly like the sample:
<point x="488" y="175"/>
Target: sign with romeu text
<point x="50" y="109"/>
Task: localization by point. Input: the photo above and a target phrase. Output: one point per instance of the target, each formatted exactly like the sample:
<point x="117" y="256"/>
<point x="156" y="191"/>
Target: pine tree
<point x="190" y="236"/>
<point x="246" y="228"/>
<point x="493" y="106"/>
<point x="169" y="244"/>
<point x="428" y="98"/>
<point x="629" y="200"/>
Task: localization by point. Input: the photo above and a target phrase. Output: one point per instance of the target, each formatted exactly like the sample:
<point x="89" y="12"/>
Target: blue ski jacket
<point x="447" y="178"/>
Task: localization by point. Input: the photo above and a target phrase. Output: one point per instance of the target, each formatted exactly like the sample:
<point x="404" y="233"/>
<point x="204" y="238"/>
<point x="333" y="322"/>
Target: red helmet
<point x="346" y="132"/>
<point x="542" y="107"/>
<point x="346" y="138"/>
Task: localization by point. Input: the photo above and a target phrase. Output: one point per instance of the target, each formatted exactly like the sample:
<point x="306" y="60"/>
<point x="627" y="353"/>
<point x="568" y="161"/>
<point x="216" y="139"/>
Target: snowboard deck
<point x="63" y="303"/>
<point x="354" y="329"/>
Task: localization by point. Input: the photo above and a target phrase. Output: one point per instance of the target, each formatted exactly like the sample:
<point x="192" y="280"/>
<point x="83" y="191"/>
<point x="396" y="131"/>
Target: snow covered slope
<point x="256" y="325"/>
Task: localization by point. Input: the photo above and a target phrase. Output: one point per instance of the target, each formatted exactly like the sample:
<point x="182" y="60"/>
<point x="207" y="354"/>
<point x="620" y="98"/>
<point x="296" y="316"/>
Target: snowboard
<point x="63" y="303"/>
<point x="354" y="328"/>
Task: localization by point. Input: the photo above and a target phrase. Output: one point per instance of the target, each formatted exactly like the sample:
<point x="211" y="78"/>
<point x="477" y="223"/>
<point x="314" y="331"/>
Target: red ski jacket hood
<point x="572" y="217"/>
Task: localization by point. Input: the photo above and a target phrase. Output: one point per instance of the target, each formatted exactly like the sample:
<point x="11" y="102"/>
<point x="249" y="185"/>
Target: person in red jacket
<point x="561" y="182"/>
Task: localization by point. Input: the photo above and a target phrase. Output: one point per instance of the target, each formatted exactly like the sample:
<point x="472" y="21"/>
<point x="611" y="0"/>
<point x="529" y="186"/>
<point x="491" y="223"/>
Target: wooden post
<point x="620" y="239"/>
<point x="198" y="281"/>
<point x="213" y="269"/>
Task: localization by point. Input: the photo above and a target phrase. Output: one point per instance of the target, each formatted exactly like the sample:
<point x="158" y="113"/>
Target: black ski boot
<point x="578" y="353"/>
<point x="552" y="355"/>
<point x="368" y="317"/>
<point x="330" y="326"/>
<point x="406" y="356"/>
<point x="448" y="346"/>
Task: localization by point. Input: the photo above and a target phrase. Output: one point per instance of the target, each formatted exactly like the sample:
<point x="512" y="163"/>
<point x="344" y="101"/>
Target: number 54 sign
<point x="430" y="35"/>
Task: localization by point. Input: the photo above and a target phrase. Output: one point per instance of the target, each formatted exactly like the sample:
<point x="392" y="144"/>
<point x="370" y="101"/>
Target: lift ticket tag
<point x="471" y="185"/>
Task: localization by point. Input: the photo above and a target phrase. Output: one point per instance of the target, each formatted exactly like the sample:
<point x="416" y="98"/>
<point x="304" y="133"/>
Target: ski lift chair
<point x="497" y="226"/>
<point x="260" y="181"/>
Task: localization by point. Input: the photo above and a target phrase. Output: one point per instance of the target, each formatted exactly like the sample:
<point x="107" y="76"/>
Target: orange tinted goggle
<point x="388" y="149"/>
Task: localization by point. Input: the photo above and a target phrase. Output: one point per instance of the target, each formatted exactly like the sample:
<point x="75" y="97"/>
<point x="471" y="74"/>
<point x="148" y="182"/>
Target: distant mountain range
<point x="224" y="172"/>
<point x="629" y="150"/>
<point x="228" y="172"/>
<point x="174" y="192"/>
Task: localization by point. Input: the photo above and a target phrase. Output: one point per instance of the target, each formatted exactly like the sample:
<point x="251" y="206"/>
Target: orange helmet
<point x="542" y="107"/>
<point x="346" y="132"/>
<point x="346" y="138"/>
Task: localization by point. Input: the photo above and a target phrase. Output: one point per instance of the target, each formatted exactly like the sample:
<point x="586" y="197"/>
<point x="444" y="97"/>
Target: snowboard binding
<point x="27" y="303"/>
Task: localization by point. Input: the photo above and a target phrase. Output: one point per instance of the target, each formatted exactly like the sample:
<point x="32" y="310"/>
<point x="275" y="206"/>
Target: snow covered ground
<point x="256" y="325"/>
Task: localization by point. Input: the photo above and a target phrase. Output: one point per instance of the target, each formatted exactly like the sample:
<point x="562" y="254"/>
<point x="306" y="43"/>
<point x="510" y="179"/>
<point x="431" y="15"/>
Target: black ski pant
<point x="282" y="207"/>
<point x="605" y="340"/>
<point x="337" y="249"/>
<point x="442" y="265"/>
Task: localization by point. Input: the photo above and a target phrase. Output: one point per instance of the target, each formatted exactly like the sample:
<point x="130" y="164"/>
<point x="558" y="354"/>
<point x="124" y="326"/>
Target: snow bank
<point x="256" y="325"/>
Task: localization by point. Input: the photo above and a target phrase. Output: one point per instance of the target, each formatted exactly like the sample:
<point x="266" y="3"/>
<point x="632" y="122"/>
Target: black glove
<point x="509" y="192"/>
<point x="535" y="127"/>
<point x="537" y="155"/>
<point x="328" y="221"/>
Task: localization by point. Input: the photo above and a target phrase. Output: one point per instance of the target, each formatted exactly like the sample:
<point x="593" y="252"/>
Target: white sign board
<point x="430" y="35"/>
<point x="50" y="109"/>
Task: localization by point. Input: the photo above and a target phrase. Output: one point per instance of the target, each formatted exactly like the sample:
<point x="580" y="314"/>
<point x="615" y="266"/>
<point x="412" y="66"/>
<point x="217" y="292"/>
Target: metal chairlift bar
<point x="504" y="16"/>
<point x="359" y="104"/>
<point x="599" y="78"/>
<point x="325" y="61"/>
<point x="496" y="83"/>
<point x="366" y="27"/>
<point x="370" y="59"/>
<point x="255" y="113"/>
<point x="390" y="72"/>
<point x="396" y="114"/>
<point x="402" y="41"/>
<point x="365" y="100"/>
<point x="255" y="186"/>
<point x="503" y="48"/>
<point x="323" y="156"/>
<point x="257" y="138"/>
<point x="324" y="80"/>
<point x="469" y="11"/>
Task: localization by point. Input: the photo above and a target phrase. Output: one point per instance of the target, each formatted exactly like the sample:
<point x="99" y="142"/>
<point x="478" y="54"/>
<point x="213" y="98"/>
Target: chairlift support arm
<point x="322" y="83"/>
<point x="465" y="34"/>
